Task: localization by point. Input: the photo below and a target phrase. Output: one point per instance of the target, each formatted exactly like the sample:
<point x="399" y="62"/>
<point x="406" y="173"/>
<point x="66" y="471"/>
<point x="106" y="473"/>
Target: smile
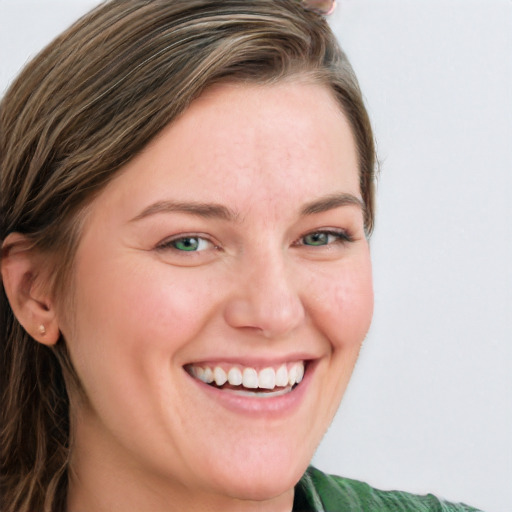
<point x="247" y="381"/>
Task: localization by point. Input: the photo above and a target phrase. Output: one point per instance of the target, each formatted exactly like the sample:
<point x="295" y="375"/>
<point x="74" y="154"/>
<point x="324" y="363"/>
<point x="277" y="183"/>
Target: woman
<point x="187" y="196"/>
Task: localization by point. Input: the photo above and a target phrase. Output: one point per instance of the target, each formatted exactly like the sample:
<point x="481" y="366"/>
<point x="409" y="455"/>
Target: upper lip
<point x="254" y="362"/>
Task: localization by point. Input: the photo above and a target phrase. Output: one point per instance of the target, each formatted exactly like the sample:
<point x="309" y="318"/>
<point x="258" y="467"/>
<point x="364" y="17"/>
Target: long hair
<point x="78" y="112"/>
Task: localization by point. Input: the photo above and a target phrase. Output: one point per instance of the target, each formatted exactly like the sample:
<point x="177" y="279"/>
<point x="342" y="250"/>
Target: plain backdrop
<point x="430" y="404"/>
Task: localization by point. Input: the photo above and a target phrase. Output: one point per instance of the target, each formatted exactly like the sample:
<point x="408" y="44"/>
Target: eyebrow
<point x="331" y="202"/>
<point x="219" y="211"/>
<point x="205" y="210"/>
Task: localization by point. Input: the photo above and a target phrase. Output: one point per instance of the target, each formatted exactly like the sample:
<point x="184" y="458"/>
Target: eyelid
<point x="342" y="236"/>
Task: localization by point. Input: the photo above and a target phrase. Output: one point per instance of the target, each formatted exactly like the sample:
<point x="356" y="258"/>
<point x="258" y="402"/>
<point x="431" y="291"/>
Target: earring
<point x="42" y="330"/>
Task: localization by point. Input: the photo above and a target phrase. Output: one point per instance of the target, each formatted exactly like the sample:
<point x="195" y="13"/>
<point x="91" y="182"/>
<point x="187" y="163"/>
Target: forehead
<point x="247" y="144"/>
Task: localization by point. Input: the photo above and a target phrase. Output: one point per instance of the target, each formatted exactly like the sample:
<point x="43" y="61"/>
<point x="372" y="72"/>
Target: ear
<point x="24" y="277"/>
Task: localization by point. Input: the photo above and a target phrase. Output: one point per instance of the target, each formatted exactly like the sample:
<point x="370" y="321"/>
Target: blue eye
<point x="187" y="244"/>
<point x="320" y="238"/>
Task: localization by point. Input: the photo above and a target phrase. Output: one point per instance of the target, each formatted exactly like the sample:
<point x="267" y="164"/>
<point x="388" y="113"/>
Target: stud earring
<point x="42" y="330"/>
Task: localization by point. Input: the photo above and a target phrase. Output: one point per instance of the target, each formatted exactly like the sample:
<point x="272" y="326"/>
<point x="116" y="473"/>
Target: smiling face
<point x="232" y="247"/>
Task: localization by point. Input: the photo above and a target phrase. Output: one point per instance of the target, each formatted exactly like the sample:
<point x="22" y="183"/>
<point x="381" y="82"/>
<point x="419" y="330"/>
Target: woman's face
<point x="231" y="247"/>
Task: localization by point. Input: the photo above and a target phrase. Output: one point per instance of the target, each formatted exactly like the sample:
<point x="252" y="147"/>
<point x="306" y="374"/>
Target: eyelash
<point x="341" y="237"/>
<point x="171" y="243"/>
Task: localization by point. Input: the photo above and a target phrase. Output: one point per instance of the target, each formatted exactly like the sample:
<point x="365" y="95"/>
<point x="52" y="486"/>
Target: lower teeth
<point x="260" y="394"/>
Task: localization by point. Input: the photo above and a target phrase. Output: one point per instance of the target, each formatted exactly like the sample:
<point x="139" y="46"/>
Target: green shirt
<point x="318" y="492"/>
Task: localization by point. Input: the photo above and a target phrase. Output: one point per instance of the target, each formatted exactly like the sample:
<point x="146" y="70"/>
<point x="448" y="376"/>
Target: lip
<point x="257" y="363"/>
<point x="264" y="407"/>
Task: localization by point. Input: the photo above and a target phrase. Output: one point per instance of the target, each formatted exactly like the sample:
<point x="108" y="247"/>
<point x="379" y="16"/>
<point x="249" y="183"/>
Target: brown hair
<point x="78" y="112"/>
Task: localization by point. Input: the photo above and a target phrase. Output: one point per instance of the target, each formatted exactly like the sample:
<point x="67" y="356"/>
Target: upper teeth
<point x="267" y="378"/>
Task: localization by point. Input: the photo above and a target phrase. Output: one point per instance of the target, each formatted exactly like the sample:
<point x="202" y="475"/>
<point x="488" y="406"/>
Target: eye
<point x="187" y="244"/>
<point x="326" y="237"/>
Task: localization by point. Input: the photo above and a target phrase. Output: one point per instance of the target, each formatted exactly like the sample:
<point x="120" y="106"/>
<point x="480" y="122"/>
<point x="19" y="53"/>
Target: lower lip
<point x="264" y="406"/>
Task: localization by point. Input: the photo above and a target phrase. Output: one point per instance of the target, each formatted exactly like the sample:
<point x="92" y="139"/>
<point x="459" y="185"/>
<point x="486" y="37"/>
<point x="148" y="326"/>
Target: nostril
<point x="268" y="317"/>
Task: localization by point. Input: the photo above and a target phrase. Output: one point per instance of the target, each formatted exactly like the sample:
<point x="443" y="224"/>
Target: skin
<point x="147" y="436"/>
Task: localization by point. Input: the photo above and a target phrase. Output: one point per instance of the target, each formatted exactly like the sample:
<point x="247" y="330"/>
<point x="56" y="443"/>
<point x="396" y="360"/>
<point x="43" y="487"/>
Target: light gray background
<point x="430" y="404"/>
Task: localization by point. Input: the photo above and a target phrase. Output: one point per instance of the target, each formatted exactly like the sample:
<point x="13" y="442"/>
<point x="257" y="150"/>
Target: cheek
<point x="142" y="297"/>
<point x="169" y="307"/>
<point x="131" y="324"/>
<point x="345" y="307"/>
<point x="134" y="316"/>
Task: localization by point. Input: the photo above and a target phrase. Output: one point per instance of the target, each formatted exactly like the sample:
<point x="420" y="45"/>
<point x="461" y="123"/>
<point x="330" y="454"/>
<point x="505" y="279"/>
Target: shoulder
<point x="319" y="492"/>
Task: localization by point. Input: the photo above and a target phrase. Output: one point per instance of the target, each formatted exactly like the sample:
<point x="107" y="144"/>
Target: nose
<point x="266" y="299"/>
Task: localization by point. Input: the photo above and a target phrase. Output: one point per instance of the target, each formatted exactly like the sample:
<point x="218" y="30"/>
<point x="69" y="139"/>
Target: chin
<point x="262" y="479"/>
<point x="263" y="487"/>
